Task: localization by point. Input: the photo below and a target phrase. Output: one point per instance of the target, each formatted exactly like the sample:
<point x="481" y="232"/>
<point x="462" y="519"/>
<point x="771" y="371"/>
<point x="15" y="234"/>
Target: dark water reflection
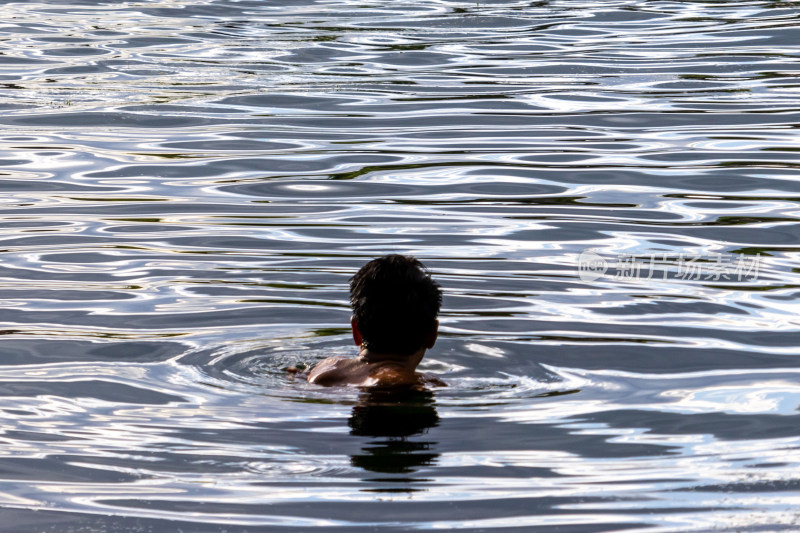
<point x="393" y="417"/>
<point x="187" y="187"/>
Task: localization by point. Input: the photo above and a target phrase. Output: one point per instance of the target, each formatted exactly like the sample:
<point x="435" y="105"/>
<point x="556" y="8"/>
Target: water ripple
<point x="188" y="187"/>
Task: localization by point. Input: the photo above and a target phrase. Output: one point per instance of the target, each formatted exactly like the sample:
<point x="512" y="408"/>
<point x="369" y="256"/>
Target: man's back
<point x="395" y="304"/>
<point x="355" y="371"/>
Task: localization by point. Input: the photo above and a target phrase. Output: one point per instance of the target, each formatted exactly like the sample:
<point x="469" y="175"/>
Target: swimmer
<point x="395" y="304"/>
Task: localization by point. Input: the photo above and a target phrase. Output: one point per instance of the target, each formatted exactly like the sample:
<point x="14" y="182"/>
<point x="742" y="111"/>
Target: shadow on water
<point x="393" y="417"/>
<point x="187" y="188"/>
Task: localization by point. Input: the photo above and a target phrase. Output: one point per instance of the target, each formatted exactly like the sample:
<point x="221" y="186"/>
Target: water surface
<point x="188" y="186"/>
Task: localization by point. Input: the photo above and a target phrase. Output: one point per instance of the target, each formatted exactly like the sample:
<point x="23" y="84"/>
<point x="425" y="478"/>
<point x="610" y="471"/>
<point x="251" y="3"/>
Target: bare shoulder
<point x="353" y="371"/>
<point x="331" y="371"/>
<point x="392" y="377"/>
<point x="387" y="376"/>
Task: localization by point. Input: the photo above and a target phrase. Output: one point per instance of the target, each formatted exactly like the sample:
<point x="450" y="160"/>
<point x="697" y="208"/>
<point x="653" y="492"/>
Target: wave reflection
<point x="188" y="186"/>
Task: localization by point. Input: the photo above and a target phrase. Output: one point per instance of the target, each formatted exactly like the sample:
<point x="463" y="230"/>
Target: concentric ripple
<point x="607" y="192"/>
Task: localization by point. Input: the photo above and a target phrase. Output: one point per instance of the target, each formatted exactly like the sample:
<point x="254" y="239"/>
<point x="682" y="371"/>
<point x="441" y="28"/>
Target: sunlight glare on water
<point x="607" y="192"/>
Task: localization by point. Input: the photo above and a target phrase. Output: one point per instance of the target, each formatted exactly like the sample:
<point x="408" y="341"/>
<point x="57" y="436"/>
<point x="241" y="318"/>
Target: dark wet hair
<point x="395" y="303"/>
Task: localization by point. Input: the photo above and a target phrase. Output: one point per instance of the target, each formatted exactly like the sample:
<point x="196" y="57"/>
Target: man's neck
<point x="407" y="363"/>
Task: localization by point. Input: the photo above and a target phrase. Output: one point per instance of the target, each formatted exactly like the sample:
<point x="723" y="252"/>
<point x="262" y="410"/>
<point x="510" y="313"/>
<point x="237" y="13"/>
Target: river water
<point x="607" y="192"/>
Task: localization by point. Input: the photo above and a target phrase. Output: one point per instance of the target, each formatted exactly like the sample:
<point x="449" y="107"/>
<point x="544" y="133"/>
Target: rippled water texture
<point x="188" y="185"/>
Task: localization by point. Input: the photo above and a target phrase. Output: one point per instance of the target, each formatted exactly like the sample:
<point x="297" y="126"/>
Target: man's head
<point x="395" y="304"/>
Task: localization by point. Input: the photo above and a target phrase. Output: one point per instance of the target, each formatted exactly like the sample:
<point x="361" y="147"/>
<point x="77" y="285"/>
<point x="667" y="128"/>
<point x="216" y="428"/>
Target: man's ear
<point x="356" y="332"/>
<point x="430" y="340"/>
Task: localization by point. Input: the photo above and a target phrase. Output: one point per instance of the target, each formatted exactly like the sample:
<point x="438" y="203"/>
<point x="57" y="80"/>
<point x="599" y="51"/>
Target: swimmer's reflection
<point x="393" y="416"/>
